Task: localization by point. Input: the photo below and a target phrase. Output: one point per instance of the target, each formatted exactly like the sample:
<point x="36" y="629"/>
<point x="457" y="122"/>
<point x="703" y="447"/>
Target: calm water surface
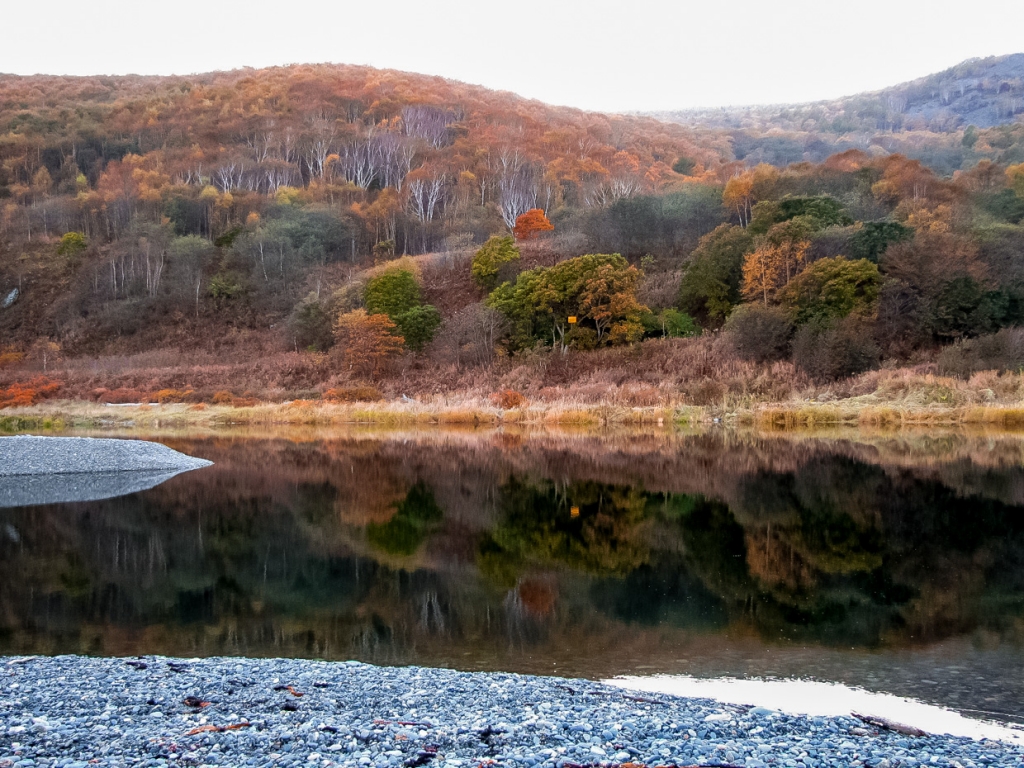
<point x="892" y="563"/>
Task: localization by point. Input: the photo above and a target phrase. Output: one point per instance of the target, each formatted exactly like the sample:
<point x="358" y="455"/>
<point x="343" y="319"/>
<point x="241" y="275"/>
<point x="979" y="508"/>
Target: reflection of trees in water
<point x="592" y="527"/>
<point x="415" y="517"/>
<point x="529" y="607"/>
<point x="431" y="616"/>
<point x="464" y="548"/>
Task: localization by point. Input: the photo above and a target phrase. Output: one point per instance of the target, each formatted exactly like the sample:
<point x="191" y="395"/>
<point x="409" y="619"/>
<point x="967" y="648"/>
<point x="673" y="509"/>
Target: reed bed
<point x="59" y="415"/>
<point x="860" y="412"/>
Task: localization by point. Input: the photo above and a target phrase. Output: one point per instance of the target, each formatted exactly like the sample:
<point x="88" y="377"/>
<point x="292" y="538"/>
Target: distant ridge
<point x="980" y="92"/>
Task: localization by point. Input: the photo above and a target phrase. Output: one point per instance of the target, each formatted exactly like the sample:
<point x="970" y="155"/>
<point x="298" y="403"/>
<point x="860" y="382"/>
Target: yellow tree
<point x="1015" y="175"/>
<point x="743" y="191"/>
<point x="770" y="268"/>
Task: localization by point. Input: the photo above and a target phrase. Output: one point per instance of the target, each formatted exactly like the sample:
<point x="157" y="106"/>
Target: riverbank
<point x="62" y="415"/>
<point x="277" y="712"/>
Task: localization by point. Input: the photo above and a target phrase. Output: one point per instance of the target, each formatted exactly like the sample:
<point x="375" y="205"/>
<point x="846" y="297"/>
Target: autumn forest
<point x="340" y="232"/>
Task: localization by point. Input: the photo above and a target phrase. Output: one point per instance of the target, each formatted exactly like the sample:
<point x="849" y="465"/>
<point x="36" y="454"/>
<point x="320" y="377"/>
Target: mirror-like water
<point x="892" y="563"/>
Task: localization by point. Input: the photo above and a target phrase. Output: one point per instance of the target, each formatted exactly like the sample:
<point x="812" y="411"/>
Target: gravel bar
<point x="77" y="712"/>
<point x="31" y="455"/>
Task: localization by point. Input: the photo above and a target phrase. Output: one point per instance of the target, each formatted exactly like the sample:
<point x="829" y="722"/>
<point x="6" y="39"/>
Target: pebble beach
<point x="75" y="712"/>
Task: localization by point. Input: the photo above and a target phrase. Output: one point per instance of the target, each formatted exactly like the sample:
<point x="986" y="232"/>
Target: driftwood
<point x="218" y="728"/>
<point x="890" y="725"/>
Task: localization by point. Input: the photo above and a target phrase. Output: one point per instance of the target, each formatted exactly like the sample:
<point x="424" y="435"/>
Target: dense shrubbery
<point x="395" y="292"/>
<point x="835" y="350"/>
<point x="586" y="301"/>
<point x="1000" y="351"/>
<point x="760" y="333"/>
<point x="494" y="261"/>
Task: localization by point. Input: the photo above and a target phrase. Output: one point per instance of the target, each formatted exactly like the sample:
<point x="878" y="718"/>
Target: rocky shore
<point x="77" y="712"/>
<point x="32" y="455"/>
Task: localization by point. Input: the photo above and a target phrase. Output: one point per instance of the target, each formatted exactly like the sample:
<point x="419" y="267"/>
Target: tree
<point x="72" y="244"/>
<point x="743" y="191"/>
<point x="608" y="300"/>
<point x="188" y="257"/>
<point x="684" y="165"/>
<point x="830" y="289"/>
<point x="1015" y="176"/>
<point x="517" y="187"/>
<point x="310" y="324"/>
<point x="816" y="212"/>
<point x="367" y="342"/>
<point x="492" y="260"/>
<point x="873" y="237"/>
<point x="711" y="283"/>
<point x="669" y="323"/>
<point x="530" y="224"/>
<point x="835" y="350"/>
<point x="417" y="325"/>
<point x="770" y="267"/>
<point x="965" y="308"/>
<point x="392" y="292"/>
<point x="598" y="290"/>
<point x="395" y="292"/>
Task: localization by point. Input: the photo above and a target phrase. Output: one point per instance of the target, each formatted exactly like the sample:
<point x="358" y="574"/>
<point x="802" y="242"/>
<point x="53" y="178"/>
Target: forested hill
<point x="259" y="130"/>
<point x="917" y="118"/>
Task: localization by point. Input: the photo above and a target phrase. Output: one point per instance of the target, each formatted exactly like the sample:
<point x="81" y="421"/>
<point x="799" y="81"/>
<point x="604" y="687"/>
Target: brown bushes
<point x="121" y="395"/>
<point x="508" y="399"/>
<point x="10" y="358"/>
<point x="356" y="394"/>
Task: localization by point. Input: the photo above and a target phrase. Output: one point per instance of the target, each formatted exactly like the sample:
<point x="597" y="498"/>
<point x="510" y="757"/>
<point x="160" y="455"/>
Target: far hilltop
<point x="931" y="118"/>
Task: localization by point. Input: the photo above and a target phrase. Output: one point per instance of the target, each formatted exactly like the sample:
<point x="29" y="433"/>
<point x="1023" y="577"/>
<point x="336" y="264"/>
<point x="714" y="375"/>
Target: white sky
<point x="595" y="54"/>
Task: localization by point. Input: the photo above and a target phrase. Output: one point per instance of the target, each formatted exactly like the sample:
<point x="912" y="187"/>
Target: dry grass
<point x="651" y="385"/>
<point x="472" y="413"/>
<point x="481" y="413"/>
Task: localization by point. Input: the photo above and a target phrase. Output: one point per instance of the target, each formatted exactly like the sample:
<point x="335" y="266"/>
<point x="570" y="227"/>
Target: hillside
<point x="924" y="118"/>
<point x="337" y="231"/>
<point x="258" y="130"/>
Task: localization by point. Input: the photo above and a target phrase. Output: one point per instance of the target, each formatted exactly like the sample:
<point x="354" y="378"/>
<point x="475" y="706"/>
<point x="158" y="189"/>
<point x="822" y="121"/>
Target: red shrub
<point x="28" y="393"/>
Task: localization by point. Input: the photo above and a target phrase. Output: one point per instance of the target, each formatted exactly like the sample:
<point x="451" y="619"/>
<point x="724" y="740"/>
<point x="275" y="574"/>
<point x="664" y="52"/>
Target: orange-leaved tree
<point x="770" y="267"/>
<point x="530" y="224"/>
<point x="743" y="191"/>
<point x="367" y="342"/>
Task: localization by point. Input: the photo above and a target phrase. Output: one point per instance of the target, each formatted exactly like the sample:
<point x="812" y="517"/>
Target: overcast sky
<point x="595" y="54"/>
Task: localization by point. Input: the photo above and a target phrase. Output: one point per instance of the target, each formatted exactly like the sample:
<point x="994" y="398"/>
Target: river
<point x="892" y="562"/>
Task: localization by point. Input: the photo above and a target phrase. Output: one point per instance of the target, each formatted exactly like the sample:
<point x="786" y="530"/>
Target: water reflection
<point x="883" y="563"/>
<point x="29" y="490"/>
